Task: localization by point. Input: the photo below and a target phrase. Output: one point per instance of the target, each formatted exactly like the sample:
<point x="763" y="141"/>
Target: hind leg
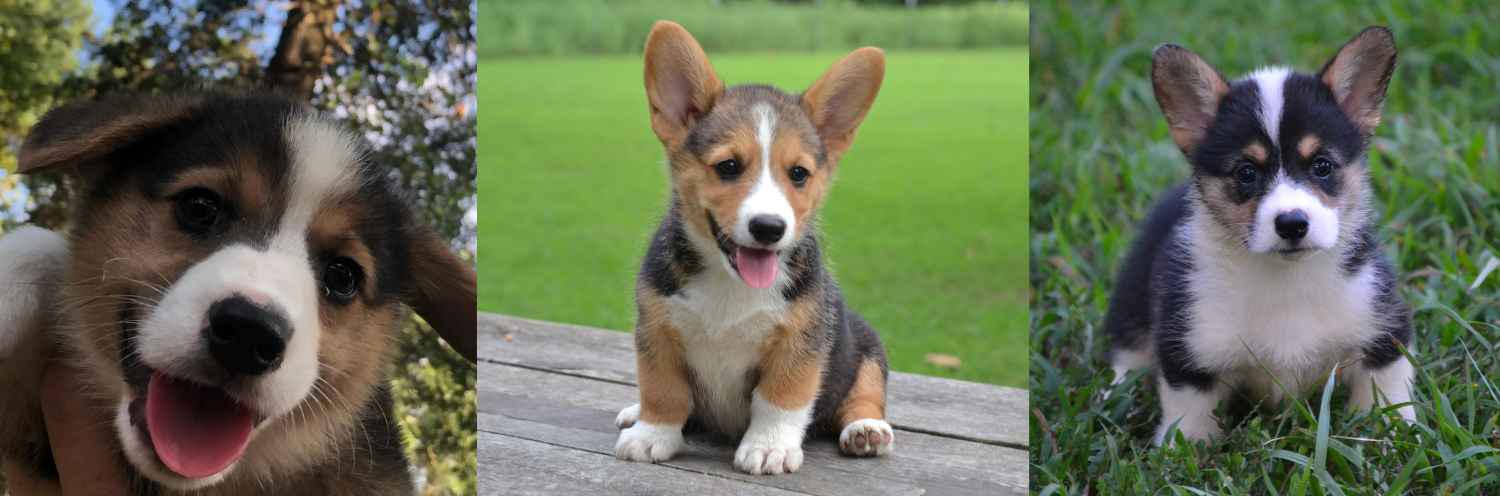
<point x="861" y="417"/>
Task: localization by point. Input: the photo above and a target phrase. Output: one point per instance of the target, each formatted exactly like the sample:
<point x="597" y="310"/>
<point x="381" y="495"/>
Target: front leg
<point x="1192" y="409"/>
<point x="1390" y="383"/>
<point x="653" y="429"/>
<point x="780" y="408"/>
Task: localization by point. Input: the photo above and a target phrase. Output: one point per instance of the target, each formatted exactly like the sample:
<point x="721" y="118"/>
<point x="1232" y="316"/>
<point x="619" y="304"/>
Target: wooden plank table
<point x="548" y="395"/>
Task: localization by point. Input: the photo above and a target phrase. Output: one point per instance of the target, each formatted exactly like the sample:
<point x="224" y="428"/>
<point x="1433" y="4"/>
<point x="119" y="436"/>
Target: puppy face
<point x="238" y="273"/>
<point x="1279" y="157"/>
<point x="750" y="178"/>
<point x="750" y="164"/>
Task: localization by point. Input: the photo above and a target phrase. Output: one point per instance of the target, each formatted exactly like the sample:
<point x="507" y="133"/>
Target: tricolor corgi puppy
<point x="1266" y="255"/>
<point x="741" y="330"/>
<point x="235" y="276"/>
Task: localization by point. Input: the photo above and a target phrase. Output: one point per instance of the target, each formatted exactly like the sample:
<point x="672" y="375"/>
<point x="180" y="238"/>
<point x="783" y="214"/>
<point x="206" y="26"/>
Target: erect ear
<point x="1188" y="90"/>
<point x="444" y="292"/>
<point x="840" y="99"/>
<point x="680" y="84"/>
<point x="1360" y="73"/>
<point x="80" y="133"/>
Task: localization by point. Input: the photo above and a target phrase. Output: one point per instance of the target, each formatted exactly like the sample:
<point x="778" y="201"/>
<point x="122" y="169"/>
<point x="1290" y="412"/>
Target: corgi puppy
<point x="741" y="330"/>
<point x="1266" y="255"/>
<point x="236" y="273"/>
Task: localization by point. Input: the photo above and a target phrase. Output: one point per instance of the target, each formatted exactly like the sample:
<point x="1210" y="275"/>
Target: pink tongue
<point x="198" y="431"/>
<point x="757" y="267"/>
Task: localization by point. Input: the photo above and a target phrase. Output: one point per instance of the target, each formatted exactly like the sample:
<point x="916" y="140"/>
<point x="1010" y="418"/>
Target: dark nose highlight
<point x="767" y="229"/>
<point x="244" y="338"/>
<point x="1291" y="226"/>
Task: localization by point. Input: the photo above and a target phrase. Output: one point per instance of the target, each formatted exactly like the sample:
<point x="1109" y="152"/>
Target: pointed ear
<point x="680" y="84"/>
<point x="1359" y="74"/>
<point x="444" y="292"/>
<point x="80" y="133"/>
<point x="840" y="99"/>
<point x="1188" y="90"/>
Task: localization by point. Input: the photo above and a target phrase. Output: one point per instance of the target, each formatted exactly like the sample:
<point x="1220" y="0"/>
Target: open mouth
<point x="755" y="266"/>
<point x="195" y="430"/>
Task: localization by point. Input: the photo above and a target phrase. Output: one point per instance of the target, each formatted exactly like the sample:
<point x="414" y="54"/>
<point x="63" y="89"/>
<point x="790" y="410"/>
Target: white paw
<point x="628" y="416"/>
<point x="646" y="442"/>
<point x="767" y="456"/>
<point x="867" y="437"/>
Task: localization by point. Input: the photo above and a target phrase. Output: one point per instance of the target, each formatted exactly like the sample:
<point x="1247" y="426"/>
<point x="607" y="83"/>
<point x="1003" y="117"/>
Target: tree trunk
<point x="304" y="47"/>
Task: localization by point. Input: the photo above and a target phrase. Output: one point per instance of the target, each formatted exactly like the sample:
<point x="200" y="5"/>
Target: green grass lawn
<point x="924" y="225"/>
<point x="1100" y="153"/>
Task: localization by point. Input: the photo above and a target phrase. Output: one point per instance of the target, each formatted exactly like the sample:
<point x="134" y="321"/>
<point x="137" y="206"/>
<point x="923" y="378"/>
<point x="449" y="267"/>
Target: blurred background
<point x="923" y="226"/>
<point x="1101" y="153"/>
<point x="401" y="71"/>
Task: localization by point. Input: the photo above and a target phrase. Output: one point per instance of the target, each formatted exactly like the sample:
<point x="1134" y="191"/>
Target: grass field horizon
<point x="922" y="228"/>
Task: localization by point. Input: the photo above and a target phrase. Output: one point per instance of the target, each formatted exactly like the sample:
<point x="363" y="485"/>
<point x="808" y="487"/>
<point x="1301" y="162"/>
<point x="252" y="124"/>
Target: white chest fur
<point x="724" y="324"/>
<point x="1298" y="318"/>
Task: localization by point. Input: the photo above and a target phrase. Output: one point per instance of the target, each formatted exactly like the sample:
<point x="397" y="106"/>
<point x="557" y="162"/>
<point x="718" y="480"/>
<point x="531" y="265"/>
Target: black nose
<point x="246" y="339"/>
<point x="767" y="229"/>
<point x="1291" y="226"/>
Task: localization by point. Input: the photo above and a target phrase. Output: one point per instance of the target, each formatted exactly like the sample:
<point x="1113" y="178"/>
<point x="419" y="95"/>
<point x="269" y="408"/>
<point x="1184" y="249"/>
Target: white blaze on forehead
<point x="766" y="197"/>
<point x="1270" y="81"/>
<point x="325" y="164"/>
<point x="1286" y="196"/>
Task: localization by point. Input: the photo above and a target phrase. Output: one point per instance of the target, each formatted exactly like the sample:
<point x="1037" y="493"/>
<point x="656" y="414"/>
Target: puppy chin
<point x="141" y="456"/>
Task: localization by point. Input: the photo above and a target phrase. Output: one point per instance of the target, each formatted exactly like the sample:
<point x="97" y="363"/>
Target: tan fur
<point x="696" y="179"/>
<point x="446" y="292"/>
<point x="1257" y="153"/>
<point x="1355" y="76"/>
<point x="698" y="182"/>
<point x="840" y="99"/>
<point x="1188" y="90"/>
<point x="1308" y="146"/>
<point x="95" y="138"/>
<point x="1354" y="187"/>
<point x="866" y="399"/>
<point x="661" y="364"/>
<point x="680" y="83"/>
<point x="790" y="364"/>
<point x="1218" y="199"/>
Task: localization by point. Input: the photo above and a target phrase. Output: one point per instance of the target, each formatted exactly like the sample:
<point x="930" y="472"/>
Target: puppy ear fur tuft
<point x="840" y="99"/>
<point x="1189" y="90"/>
<point x="681" y="85"/>
<point x="1360" y="73"/>
<point x="445" y="293"/>
<point x="80" y="133"/>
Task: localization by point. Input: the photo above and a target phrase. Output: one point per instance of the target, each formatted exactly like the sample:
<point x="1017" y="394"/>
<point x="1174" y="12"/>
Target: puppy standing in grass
<point x="741" y="330"/>
<point x="1265" y="260"/>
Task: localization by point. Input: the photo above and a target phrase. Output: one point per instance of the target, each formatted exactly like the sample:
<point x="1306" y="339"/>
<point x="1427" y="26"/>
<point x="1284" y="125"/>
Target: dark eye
<point x="198" y="210"/>
<point x="341" y="278"/>
<point x="1247" y="174"/>
<point x="1321" y="167"/>
<point x="798" y="175"/>
<point x="729" y="168"/>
